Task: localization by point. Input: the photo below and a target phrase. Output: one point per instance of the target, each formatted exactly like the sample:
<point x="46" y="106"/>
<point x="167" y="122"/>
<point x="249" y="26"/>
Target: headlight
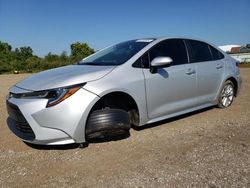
<point x="59" y="95"/>
<point x="54" y="96"/>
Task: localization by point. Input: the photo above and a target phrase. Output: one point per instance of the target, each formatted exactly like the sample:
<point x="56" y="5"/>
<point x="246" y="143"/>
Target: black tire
<point x="107" y="123"/>
<point x="221" y="100"/>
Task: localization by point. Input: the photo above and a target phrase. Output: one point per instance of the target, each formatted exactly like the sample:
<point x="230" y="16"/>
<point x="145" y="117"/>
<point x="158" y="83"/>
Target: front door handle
<point x="190" y="71"/>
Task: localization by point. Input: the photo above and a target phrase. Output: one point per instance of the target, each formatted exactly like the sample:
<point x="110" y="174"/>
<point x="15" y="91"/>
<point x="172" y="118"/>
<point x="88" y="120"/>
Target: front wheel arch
<point x="119" y="101"/>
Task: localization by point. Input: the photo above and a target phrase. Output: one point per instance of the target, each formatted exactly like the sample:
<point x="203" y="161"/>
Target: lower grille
<point x="19" y="121"/>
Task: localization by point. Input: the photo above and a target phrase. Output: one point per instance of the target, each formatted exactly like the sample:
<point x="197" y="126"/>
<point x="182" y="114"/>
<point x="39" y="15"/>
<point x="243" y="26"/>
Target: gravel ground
<point x="210" y="148"/>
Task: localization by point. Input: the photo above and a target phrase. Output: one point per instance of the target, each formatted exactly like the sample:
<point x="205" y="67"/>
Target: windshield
<point x="117" y="54"/>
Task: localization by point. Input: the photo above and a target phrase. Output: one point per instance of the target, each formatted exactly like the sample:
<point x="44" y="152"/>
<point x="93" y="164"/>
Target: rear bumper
<point x="64" y="123"/>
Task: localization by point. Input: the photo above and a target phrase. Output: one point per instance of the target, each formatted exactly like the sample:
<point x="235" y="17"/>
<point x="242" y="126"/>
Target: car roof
<point x="161" y="38"/>
<point x="171" y="37"/>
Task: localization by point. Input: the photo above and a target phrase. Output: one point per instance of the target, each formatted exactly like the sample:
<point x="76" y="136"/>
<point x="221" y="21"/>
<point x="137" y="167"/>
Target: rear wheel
<point x="227" y="95"/>
<point x="107" y="123"/>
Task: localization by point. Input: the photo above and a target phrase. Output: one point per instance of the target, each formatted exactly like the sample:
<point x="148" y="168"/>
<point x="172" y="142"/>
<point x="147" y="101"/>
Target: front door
<point x="171" y="89"/>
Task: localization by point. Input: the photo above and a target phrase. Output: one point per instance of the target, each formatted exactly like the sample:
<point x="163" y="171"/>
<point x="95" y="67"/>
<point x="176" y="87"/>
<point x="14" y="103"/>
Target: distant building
<point x="228" y="48"/>
<point x="238" y="52"/>
<point x="234" y="49"/>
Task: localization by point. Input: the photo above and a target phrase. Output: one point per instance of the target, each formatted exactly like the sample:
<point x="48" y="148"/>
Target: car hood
<point x="64" y="76"/>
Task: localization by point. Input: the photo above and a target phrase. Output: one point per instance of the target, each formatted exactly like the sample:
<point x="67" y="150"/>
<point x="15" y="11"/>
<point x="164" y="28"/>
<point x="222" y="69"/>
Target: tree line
<point x="23" y="60"/>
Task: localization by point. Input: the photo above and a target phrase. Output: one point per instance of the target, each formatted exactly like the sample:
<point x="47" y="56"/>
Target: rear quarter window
<point x="217" y="55"/>
<point x="199" y="51"/>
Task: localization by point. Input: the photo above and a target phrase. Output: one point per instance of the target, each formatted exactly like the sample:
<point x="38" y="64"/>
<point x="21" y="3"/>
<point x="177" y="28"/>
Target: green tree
<point x="22" y="59"/>
<point x="51" y="57"/>
<point x="5" y="47"/>
<point x="21" y="55"/>
<point x="247" y="48"/>
<point x="65" y="60"/>
<point x="80" y="51"/>
<point x="33" y="63"/>
<point x="24" y="53"/>
<point x="6" y="56"/>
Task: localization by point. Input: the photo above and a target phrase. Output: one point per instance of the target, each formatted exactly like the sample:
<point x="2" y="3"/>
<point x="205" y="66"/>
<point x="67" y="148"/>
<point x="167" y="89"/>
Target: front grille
<point x="19" y="121"/>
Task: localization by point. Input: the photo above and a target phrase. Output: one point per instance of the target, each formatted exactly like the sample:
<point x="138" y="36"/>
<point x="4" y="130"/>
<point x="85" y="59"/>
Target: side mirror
<point x="160" y="62"/>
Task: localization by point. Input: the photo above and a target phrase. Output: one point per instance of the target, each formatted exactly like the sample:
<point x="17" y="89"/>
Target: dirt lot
<point x="210" y="148"/>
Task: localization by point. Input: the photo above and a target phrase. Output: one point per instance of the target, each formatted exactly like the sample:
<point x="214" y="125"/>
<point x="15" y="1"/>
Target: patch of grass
<point x="244" y="65"/>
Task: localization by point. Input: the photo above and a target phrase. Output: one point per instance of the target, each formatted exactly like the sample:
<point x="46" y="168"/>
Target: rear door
<point x="209" y="69"/>
<point x="171" y="89"/>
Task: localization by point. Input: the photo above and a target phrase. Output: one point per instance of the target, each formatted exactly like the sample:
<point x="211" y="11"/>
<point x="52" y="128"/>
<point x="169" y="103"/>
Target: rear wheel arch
<point x="227" y="94"/>
<point x="235" y="83"/>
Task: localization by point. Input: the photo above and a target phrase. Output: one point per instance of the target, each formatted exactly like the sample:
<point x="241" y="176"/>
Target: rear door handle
<point x="190" y="71"/>
<point x="219" y="66"/>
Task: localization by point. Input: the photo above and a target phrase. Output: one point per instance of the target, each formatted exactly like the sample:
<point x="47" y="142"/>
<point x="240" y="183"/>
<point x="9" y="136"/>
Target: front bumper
<point x="64" y="123"/>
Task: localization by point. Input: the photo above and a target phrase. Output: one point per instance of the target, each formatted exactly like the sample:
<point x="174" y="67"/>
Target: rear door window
<point x="199" y="51"/>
